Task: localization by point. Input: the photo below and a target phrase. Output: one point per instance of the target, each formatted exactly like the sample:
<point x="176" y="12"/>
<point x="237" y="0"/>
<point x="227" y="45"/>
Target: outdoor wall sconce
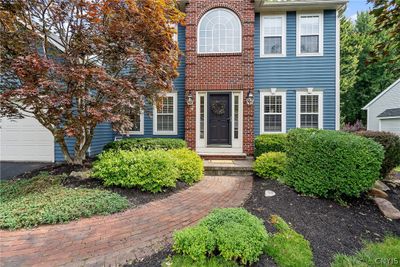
<point x="189" y="99"/>
<point x="250" y="98"/>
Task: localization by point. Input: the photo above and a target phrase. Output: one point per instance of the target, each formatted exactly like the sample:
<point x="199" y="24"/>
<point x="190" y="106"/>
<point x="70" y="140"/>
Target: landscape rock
<point x="269" y="193"/>
<point x="387" y="208"/>
<point x="374" y="192"/>
<point x="381" y="186"/>
<point x="394" y="182"/>
<point x="81" y="175"/>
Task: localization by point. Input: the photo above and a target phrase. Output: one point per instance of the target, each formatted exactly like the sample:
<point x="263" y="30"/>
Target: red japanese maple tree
<point x="73" y="64"/>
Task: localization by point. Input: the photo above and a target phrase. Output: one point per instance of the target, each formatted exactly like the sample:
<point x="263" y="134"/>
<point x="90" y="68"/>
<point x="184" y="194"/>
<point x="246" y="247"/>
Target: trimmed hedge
<point x="332" y="164"/>
<point x="269" y="143"/>
<point x="232" y="233"/>
<point x="146" y="144"/>
<point x="189" y="164"/>
<point x="391" y="144"/>
<point x="271" y="165"/>
<point x="148" y="170"/>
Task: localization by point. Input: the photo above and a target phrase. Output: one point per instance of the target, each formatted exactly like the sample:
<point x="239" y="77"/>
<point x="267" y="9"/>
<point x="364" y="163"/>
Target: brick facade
<point x="219" y="72"/>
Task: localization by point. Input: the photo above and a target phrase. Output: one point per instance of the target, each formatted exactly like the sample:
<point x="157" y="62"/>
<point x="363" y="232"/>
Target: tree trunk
<point x="64" y="150"/>
<point x="82" y="145"/>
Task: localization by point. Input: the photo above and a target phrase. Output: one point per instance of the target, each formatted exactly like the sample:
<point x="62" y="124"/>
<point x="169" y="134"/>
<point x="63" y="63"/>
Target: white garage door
<point x="25" y="140"/>
<point x="391" y="125"/>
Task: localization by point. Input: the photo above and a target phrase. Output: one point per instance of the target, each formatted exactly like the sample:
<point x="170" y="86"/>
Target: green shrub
<point x="386" y="253"/>
<point x="189" y="164"/>
<point x="236" y="235"/>
<point x="391" y="145"/>
<point x="197" y="242"/>
<point x="146" y="144"/>
<point x="148" y="170"/>
<point x="50" y="203"/>
<point x="330" y="163"/>
<point x="186" y="261"/>
<point x="271" y="165"/>
<point x="287" y="247"/>
<point x="270" y="143"/>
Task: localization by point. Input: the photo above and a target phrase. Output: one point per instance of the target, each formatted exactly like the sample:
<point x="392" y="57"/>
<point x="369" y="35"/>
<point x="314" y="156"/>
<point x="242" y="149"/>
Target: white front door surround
<point x="236" y="118"/>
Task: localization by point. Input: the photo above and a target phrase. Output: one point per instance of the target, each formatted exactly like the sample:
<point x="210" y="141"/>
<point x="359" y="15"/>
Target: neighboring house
<point x="250" y="67"/>
<point x="383" y="112"/>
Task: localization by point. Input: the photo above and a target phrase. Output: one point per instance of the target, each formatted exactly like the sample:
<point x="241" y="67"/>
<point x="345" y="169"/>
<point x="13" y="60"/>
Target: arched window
<point x="219" y="31"/>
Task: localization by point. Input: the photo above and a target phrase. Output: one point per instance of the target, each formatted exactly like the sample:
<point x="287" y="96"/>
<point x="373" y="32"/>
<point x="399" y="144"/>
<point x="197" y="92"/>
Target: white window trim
<point x="271" y="93"/>
<point x="240" y="32"/>
<point x="320" y="106"/>
<point x="262" y="35"/>
<point x="175" y="119"/>
<point x="141" y="132"/>
<point x="321" y="35"/>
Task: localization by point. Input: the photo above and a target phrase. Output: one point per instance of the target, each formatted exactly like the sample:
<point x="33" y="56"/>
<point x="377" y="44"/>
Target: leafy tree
<point x="77" y="63"/>
<point x="387" y="13"/>
<point x="372" y="76"/>
<point x="350" y="49"/>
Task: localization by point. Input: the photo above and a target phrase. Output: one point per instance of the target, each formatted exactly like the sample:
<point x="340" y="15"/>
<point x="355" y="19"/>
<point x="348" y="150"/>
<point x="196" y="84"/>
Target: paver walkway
<point x="119" y="238"/>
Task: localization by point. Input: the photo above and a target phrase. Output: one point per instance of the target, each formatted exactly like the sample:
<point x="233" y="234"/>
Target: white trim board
<point x="337" y="74"/>
<point x="381" y="94"/>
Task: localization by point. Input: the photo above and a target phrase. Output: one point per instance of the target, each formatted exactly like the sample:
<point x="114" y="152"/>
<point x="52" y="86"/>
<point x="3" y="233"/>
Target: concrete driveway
<point x="9" y="170"/>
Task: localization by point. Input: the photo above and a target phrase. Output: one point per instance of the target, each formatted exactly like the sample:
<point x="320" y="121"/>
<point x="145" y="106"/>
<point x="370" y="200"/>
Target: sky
<point x="355" y="6"/>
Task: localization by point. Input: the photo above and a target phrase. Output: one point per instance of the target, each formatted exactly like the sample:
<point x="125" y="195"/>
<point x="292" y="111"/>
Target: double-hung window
<point x="273" y="35"/>
<point x="165" y="118"/>
<point x="309" y="110"/>
<point x="138" y="124"/>
<point x="310" y="34"/>
<point x="273" y="112"/>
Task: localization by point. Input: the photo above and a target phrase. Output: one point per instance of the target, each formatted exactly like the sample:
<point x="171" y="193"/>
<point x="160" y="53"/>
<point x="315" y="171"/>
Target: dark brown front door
<point x="219" y="114"/>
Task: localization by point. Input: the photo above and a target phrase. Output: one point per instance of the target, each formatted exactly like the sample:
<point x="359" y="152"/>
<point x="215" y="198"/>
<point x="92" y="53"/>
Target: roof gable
<point x="381" y="94"/>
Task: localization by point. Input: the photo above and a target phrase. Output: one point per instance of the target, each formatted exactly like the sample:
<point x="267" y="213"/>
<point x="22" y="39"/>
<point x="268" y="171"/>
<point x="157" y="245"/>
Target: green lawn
<point x="43" y="200"/>
<point x="386" y="253"/>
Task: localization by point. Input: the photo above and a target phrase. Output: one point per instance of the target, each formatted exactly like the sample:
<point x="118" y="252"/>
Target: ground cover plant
<point x="391" y="145"/>
<point x="332" y="164"/>
<point x="269" y="143"/>
<point x="386" y="253"/>
<point x="146" y="144"/>
<point x="271" y="165"/>
<point x="232" y="233"/>
<point x="287" y="247"/>
<point x="43" y="200"/>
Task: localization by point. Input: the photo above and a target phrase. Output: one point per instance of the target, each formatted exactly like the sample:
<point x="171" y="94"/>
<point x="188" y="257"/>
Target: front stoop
<point x="225" y="167"/>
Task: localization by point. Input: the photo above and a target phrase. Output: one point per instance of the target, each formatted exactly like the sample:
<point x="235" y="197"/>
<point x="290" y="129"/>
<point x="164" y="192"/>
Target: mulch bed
<point x="330" y="227"/>
<point x="135" y="196"/>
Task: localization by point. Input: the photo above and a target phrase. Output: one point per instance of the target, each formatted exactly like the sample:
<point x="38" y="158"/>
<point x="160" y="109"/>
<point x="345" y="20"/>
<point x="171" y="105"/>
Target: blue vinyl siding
<point x="292" y="73"/>
<point x="180" y="89"/>
<point x="103" y="134"/>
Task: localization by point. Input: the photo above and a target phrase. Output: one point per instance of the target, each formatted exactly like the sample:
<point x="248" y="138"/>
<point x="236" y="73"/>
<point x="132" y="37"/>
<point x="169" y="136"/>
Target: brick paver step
<point x="122" y="237"/>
